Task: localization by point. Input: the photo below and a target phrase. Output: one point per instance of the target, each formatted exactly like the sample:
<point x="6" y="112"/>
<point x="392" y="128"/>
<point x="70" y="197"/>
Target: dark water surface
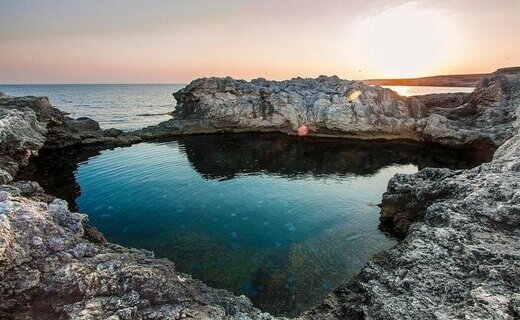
<point x="280" y="219"/>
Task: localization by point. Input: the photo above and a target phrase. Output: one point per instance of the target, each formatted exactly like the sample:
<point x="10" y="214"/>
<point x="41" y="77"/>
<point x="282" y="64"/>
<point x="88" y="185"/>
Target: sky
<point x="176" y="41"/>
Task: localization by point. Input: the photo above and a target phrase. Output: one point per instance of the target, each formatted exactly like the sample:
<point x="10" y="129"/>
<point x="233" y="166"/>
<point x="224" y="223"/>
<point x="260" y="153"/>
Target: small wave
<point x="154" y="114"/>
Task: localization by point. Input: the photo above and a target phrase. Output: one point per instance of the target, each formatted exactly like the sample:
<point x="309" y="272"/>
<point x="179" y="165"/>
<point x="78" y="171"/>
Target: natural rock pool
<point x="280" y="219"/>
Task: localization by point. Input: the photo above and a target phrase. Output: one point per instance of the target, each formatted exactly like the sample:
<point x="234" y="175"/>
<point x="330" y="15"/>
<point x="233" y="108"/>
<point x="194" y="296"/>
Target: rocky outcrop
<point x="329" y="106"/>
<point x="21" y="135"/>
<point x="487" y="115"/>
<point x="459" y="259"/>
<point x="49" y="270"/>
<point x="326" y="106"/>
<point x="28" y="124"/>
<point x="460" y="228"/>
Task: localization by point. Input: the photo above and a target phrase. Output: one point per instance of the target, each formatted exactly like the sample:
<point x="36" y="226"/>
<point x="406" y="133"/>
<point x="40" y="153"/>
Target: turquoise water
<point x="280" y="219"/>
<point x="232" y="233"/>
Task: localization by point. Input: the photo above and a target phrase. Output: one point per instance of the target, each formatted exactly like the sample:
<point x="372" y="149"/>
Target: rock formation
<point x="27" y="124"/>
<point x="460" y="228"/>
<point x="329" y="106"/>
<point x="50" y="268"/>
<point x="326" y="106"/>
<point x="461" y="250"/>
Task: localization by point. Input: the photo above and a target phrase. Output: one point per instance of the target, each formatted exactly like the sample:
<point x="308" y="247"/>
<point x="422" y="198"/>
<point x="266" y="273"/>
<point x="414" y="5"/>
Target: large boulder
<point x="21" y="135"/>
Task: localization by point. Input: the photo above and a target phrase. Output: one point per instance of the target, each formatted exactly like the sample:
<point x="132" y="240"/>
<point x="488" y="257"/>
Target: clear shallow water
<point x="134" y="106"/>
<point x="420" y="90"/>
<point x="280" y="219"/>
<point x="122" y="106"/>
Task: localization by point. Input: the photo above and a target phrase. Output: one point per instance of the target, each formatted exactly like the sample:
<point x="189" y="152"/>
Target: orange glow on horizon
<point x="176" y="42"/>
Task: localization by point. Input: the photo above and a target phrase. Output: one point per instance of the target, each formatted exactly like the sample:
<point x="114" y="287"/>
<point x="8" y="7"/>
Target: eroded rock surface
<point x="326" y="106"/>
<point x="28" y="124"/>
<point x="460" y="257"/>
<point x="329" y="106"/>
<point x="49" y="270"/>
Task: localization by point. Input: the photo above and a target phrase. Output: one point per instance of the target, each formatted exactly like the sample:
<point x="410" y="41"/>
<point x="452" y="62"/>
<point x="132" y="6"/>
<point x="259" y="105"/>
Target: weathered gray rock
<point x="21" y="135"/>
<point x="329" y="106"/>
<point x="487" y="115"/>
<point x="28" y="124"/>
<point x="48" y="270"/>
<point x="326" y="105"/>
<point x="461" y="237"/>
<point x="460" y="257"/>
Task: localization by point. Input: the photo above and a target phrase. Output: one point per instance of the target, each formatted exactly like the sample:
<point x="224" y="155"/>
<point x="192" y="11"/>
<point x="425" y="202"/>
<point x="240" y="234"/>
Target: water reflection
<point x="226" y="156"/>
<point x="280" y="219"/>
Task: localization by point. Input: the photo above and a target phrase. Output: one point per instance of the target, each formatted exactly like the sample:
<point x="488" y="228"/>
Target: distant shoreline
<point x="462" y="80"/>
<point x="458" y="80"/>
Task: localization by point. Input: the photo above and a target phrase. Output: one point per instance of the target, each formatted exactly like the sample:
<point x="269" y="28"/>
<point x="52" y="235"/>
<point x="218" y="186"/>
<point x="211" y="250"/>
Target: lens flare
<point x="303" y="130"/>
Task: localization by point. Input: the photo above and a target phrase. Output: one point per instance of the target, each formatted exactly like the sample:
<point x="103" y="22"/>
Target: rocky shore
<point x="460" y="253"/>
<point x="329" y="106"/>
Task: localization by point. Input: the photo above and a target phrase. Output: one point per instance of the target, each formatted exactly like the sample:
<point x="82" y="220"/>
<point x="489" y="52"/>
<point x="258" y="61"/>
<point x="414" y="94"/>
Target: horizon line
<point x="173" y="83"/>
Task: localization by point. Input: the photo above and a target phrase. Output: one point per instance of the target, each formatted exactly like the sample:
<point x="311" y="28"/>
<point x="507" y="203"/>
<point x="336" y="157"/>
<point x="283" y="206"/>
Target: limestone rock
<point x="28" y="124"/>
<point x="49" y="270"/>
<point x="21" y="135"/>
<point x="329" y="106"/>
<point x="459" y="257"/>
<point x="326" y="106"/>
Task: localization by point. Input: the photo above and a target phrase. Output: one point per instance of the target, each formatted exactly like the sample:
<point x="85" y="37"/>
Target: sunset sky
<point x="167" y="41"/>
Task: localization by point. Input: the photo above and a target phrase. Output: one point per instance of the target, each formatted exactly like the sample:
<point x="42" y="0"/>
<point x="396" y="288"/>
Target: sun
<point x="408" y="41"/>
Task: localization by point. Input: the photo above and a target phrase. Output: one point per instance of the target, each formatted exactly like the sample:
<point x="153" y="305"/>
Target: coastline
<point x="460" y="80"/>
<point x="436" y="211"/>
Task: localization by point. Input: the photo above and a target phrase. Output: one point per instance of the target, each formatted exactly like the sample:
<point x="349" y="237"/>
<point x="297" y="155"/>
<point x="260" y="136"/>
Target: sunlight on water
<point x="420" y="90"/>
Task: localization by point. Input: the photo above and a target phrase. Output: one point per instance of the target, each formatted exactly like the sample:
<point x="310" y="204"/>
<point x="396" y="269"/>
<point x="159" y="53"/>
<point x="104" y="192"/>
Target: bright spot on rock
<point x="303" y="130"/>
<point x="353" y="96"/>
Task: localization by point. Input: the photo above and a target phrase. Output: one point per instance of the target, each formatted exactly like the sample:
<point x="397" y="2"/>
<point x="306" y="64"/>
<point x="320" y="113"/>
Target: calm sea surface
<point x="134" y="106"/>
<point x="122" y="106"/>
<point x="419" y="90"/>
